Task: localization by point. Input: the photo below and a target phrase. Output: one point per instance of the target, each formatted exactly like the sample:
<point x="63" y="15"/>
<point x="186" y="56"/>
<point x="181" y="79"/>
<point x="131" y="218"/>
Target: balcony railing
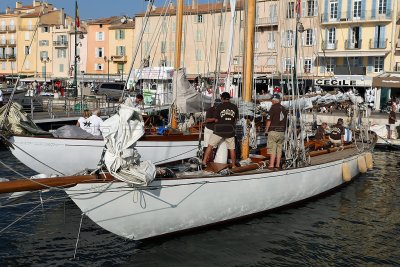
<point x="350" y="17"/>
<point x="353" y="45"/>
<point x="267" y="21"/>
<point x="26" y="28"/>
<point x="377" y="44"/>
<point x="118" y="58"/>
<point x="12" y="28"/>
<point x="3" y="57"/>
<point x="12" y="42"/>
<point x="346" y="70"/>
<point x="11" y="56"/>
<point x="258" y="69"/>
<point x="60" y="43"/>
<point x="329" y="46"/>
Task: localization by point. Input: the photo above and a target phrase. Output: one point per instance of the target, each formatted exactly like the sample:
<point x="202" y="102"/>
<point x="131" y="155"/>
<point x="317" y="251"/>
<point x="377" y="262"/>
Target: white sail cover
<point x="186" y="98"/>
<point x="121" y="132"/>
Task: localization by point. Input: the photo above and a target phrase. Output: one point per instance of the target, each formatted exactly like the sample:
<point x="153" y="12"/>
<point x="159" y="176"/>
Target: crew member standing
<point x="225" y="117"/>
<point x="337" y="133"/>
<point x="275" y="128"/>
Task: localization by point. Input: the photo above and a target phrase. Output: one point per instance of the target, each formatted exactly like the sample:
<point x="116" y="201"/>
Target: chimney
<point x="8" y="10"/>
<point x="18" y="4"/>
<point x="194" y="4"/>
<point x="36" y="3"/>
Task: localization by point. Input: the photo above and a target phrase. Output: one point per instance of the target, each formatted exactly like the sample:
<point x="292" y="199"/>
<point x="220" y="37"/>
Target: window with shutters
<point x="120" y="34"/>
<point x="43" y="43"/>
<point x="271" y="61"/>
<point x="98" y="66"/>
<point x="378" y="64"/>
<point x="309" y="37"/>
<point x="382" y="6"/>
<point x="200" y="18"/>
<point x="61" y="53"/>
<point x="27" y="50"/>
<point x="307" y="65"/>
<point x="27" y="36"/>
<point x="333" y="9"/>
<point x="311" y="8"/>
<point x="61" y="68"/>
<point x="271" y="40"/>
<point x="99" y="52"/>
<point x="330" y="64"/>
<point x="99" y="36"/>
<point x="287" y="65"/>
<point x="120" y="51"/>
<point x="290" y="10"/>
<point x="44" y="54"/>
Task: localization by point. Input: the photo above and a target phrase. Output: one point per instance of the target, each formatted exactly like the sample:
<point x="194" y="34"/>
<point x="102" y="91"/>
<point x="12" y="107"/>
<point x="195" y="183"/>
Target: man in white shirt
<point x="92" y="124"/>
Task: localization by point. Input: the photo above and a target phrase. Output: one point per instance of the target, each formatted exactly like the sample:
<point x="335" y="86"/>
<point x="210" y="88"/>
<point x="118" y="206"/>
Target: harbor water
<point x="357" y="225"/>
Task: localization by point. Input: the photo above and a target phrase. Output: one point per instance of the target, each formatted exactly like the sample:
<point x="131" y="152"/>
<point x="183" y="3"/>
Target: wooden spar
<point x="178" y="51"/>
<point x="249" y="66"/>
<point x="46" y="183"/>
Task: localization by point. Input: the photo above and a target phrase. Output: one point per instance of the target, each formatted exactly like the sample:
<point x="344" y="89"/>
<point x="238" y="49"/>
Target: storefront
<point x="388" y="88"/>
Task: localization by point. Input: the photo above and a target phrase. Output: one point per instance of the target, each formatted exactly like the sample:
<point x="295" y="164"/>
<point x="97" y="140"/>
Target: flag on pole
<point x="298" y="8"/>
<point x="77" y="20"/>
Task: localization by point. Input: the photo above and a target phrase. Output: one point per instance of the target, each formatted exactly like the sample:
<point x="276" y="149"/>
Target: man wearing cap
<point x="224" y="119"/>
<point x="337" y="133"/>
<point x="275" y="128"/>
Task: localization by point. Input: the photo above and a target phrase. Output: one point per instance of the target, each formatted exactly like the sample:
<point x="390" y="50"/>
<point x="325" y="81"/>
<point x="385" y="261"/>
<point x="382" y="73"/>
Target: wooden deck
<point x="333" y="156"/>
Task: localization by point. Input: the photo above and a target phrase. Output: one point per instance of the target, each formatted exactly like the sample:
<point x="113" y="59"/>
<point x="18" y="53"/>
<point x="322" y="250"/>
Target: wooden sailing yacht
<point x="192" y="199"/>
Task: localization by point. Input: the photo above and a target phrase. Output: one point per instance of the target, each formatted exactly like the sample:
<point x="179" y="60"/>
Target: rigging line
<point x="175" y="156"/>
<point x="30" y="155"/>
<point x="138" y="46"/>
<point x="23" y="216"/>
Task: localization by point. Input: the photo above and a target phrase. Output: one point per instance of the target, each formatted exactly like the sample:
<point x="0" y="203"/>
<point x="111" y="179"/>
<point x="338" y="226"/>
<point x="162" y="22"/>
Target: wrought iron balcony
<point x="377" y="44"/>
<point x="11" y="28"/>
<point x="11" y="56"/>
<point x="12" y="42"/>
<point x="60" y="43"/>
<point x="119" y="58"/>
<point x="329" y="46"/>
<point x="353" y="45"/>
<point x="267" y="21"/>
<point x="347" y="70"/>
<point x="356" y="17"/>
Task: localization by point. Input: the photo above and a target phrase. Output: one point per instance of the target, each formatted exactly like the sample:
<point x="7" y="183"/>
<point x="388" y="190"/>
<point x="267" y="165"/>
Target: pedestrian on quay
<point x="392" y="122"/>
<point x="225" y="117"/>
<point x="275" y="129"/>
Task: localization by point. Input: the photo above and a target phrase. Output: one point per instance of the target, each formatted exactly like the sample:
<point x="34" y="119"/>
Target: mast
<point x="75" y="82"/>
<point x="178" y="51"/>
<point x="249" y="66"/>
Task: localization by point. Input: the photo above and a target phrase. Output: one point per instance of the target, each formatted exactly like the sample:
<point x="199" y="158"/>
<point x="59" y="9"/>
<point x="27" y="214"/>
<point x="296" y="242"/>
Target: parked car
<point x="112" y="90"/>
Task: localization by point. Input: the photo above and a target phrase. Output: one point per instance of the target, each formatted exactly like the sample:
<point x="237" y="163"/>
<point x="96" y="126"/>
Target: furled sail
<point x="186" y="98"/>
<point x="122" y="160"/>
<point x="17" y="121"/>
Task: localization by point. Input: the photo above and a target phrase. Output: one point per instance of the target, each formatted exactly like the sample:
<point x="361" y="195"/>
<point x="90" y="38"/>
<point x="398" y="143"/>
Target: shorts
<point x="275" y="142"/>
<point x="392" y="127"/>
<point x="335" y="142"/>
<point x="215" y="140"/>
<point x="207" y="135"/>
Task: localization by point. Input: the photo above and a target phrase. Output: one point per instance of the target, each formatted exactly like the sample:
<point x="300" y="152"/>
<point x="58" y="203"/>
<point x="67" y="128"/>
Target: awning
<point x="389" y="80"/>
<point x="355" y="53"/>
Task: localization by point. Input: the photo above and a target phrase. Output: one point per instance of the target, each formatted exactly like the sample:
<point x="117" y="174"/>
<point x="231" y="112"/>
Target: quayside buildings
<point x="340" y="44"/>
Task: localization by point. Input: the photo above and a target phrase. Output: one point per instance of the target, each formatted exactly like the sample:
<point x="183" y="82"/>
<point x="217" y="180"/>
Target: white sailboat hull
<point x="169" y="206"/>
<point x="70" y="156"/>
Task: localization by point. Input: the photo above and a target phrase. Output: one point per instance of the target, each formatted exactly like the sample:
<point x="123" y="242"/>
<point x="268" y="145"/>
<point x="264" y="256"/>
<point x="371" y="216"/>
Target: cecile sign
<point x="348" y="80"/>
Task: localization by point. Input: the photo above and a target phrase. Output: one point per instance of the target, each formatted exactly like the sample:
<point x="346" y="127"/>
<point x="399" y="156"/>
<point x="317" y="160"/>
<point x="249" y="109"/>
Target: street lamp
<point x="106" y="59"/>
<point x="45" y="60"/>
